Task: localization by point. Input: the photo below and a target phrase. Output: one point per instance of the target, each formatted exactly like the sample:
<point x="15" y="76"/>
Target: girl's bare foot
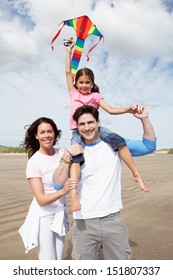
<point x="75" y="205"/>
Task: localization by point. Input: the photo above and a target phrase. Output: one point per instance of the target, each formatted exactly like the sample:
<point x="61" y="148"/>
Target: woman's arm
<point x="62" y="172"/>
<point x="45" y="199"/>
<point x="38" y="188"/>
<point x="61" y="178"/>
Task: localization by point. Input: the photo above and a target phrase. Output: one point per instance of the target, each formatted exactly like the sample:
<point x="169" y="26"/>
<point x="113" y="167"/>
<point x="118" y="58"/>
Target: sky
<point x="134" y="64"/>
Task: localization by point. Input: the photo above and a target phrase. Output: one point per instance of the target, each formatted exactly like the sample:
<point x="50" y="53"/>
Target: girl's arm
<point x="111" y="110"/>
<point x="68" y="66"/>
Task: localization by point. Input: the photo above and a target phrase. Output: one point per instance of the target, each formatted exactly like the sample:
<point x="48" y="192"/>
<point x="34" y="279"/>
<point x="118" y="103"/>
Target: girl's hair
<point x="86" y="72"/>
<point x="30" y="143"/>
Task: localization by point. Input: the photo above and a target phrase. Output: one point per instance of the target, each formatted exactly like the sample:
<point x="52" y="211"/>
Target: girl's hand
<point x="135" y="108"/>
<point x="69" y="43"/>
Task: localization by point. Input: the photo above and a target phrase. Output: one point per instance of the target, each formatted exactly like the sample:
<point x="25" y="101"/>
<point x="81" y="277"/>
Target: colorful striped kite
<point x="83" y="27"/>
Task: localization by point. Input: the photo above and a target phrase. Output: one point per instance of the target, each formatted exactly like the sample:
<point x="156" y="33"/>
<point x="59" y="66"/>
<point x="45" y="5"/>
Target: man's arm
<point x="148" y="144"/>
<point x="147" y="125"/>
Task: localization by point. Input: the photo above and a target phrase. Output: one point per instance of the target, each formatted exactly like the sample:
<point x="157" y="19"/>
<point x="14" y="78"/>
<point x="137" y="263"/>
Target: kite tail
<point x="77" y="53"/>
<point x="87" y="55"/>
<point x="55" y="37"/>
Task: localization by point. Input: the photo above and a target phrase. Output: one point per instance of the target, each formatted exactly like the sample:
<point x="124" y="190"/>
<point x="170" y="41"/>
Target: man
<point x="98" y="222"/>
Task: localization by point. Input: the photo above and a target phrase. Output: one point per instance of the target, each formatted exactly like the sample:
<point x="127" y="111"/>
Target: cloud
<point x="133" y="65"/>
<point x="135" y="28"/>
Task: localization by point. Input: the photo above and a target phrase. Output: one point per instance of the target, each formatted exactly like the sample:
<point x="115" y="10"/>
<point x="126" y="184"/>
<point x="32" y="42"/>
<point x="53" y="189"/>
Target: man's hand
<point x="143" y="114"/>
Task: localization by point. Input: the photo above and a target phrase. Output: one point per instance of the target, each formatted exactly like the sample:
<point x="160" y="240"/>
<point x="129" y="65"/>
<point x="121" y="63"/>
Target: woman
<point x="46" y="222"/>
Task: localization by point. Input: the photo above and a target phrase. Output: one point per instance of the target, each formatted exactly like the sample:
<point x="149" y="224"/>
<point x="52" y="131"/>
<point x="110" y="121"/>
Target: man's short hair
<point x="86" y="109"/>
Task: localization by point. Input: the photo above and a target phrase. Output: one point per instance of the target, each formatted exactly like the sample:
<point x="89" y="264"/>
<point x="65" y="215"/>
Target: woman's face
<point x="84" y="84"/>
<point x="45" y="135"/>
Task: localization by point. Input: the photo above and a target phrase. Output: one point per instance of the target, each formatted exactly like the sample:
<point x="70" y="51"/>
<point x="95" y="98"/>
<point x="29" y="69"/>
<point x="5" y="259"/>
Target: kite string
<point x="54" y="38"/>
<point x="87" y="55"/>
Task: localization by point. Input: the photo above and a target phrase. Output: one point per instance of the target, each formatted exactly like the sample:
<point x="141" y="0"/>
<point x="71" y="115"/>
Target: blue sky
<point x="133" y="65"/>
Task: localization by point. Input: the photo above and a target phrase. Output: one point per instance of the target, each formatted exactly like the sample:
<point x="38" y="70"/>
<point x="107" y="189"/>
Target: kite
<point x="83" y="27"/>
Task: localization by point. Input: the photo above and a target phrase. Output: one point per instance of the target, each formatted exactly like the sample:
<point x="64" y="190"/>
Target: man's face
<point x="88" y="128"/>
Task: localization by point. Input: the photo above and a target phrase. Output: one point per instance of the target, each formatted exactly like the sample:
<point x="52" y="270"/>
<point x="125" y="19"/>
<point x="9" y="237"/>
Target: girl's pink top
<point x="78" y="100"/>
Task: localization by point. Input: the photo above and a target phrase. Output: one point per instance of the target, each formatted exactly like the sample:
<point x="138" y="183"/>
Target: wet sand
<point x="147" y="216"/>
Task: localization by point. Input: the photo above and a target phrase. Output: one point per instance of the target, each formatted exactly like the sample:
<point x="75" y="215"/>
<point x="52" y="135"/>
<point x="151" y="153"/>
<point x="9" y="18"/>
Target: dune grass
<point x="5" y="149"/>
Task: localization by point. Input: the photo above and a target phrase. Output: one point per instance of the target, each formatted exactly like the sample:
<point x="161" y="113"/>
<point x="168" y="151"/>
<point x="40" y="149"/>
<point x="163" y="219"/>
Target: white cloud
<point x="137" y="29"/>
<point x="135" y="63"/>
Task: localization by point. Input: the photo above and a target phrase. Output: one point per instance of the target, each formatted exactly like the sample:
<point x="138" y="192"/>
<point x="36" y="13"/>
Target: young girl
<point x="84" y="91"/>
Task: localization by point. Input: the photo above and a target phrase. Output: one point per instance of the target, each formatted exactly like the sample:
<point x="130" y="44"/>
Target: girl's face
<point x="46" y="136"/>
<point x="84" y="84"/>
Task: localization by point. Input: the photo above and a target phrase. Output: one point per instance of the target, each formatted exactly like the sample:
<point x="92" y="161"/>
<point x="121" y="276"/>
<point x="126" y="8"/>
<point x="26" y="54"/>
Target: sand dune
<point x="148" y="216"/>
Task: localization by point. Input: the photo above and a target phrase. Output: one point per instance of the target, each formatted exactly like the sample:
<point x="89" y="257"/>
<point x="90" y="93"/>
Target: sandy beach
<point x="147" y="216"/>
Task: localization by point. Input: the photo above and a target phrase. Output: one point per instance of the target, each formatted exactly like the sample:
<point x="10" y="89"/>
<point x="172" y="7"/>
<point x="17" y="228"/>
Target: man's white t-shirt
<point x="99" y="189"/>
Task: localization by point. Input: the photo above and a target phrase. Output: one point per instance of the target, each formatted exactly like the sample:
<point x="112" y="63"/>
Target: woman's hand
<point x="75" y="150"/>
<point x="69" y="185"/>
